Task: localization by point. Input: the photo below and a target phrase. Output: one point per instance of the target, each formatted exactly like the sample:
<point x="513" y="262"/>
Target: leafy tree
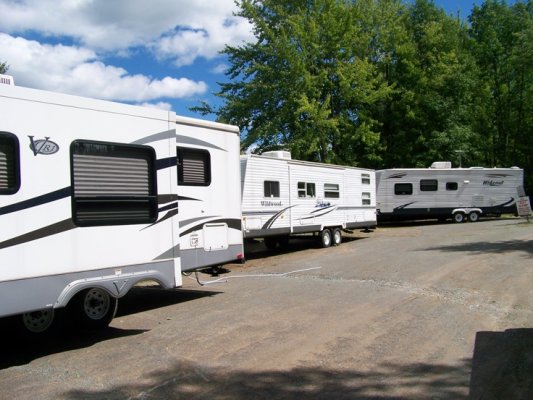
<point x="3" y="67"/>
<point x="503" y="45"/>
<point x="307" y="82"/>
<point x="427" y="118"/>
<point x="384" y="83"/>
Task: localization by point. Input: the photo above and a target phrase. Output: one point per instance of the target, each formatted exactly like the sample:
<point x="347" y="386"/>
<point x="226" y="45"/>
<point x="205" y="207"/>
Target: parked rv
<point x="283" y="197"/>
<point x="97" y="196"/>
<point x="442" y="192"/>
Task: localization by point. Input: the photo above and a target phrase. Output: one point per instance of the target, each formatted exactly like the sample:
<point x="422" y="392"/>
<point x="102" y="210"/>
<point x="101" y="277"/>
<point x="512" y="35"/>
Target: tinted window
<point x="113" y="184"/>
<point x="271" y="189"/>
<point x="331" y="191"/>
<point x="306" y="189"/>
<point x="9" y="163"/>
<point x="194" y="167"/>
<point x="451" y="186"/>
<point x="429" y="185"/>
<point x="365" y="179"/>
<point x="403" y="189"/>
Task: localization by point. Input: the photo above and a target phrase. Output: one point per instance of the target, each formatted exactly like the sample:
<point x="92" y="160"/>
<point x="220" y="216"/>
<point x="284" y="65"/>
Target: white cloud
<point x="159" y="105"/>
<point x="169" y="32"/>
<point x="77" y="70"/>
<point x="219" y="69"/>
<point x="118" y="24"/>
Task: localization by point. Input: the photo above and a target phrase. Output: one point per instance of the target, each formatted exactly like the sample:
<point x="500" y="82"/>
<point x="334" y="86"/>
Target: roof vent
<point x="441" y="165"/>
<point x="284" y="155"/>
<point x="7" y="80"/>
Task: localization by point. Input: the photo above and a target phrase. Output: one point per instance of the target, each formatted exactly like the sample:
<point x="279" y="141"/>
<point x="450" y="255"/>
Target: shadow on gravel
<point x="505" y="246"/>
<point x="144" y="298"/>
<point x="502" y="366"/>
<point x="19" y="347"/>
<point x="188" y="380"/>
<point x="255" y="248"/>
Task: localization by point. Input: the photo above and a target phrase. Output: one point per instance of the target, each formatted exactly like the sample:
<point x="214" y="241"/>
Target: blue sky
<point x="158" y="53"/>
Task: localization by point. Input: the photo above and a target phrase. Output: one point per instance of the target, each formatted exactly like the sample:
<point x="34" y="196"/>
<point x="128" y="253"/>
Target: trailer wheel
<point x="337" y="237"/>
<point x="473" y="216"/>
<point x="325" y="238"/>
<point x="38" y="321"/>
<point x="93" y="308"/>
<point x="271" y="242"/>
<point x="458" y="217"/>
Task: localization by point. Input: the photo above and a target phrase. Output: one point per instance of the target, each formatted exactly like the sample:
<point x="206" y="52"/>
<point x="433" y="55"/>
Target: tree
<point x="503" y="45"/>
<point x="427" y="118"/>
<point x="308" y="81"/>
<point x="3" y="67"/>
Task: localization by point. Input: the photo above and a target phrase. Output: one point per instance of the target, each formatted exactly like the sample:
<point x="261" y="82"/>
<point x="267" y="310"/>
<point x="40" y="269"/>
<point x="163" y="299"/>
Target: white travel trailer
<point x="442" y="192"/>
<point x="97" y="196"/>
<point x="281" y="197"/>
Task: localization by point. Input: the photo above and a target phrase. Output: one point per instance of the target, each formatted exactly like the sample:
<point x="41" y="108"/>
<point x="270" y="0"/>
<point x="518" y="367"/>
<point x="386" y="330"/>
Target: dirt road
<point x="427" y="311"/>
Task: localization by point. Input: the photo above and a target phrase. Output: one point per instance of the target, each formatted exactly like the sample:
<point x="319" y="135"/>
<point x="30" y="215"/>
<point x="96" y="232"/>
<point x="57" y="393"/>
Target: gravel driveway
<point x="413" y="311"/>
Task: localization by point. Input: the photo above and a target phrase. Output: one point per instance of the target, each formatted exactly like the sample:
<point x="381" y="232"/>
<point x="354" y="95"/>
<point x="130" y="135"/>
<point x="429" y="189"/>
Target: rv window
<point x="366" y="198"/>
<point x="194" y="167"/>
<point x="365" y="179"/>
<point x="113" y="184"/>
<point x="429" y="185"/>
<point x="403" y="189"/>
<point x="306" y="189"/>
<point x="271" y="188"/>
<point x="331" y="191"/>
<point x="451" y="185"/>
<point x="9" y="163"/>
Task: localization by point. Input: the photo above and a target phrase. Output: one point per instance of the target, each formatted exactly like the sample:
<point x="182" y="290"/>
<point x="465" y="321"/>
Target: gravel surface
<point x="412" y="311"/>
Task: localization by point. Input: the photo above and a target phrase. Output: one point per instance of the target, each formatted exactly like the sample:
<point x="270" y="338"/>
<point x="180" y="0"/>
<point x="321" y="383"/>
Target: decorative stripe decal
<point x="168" y="215"/>
<point x="49" y="230"/>
<point x="232" y="223"/>
<point x="396" y="176"/>
<point x="273" y="219"/>
<point x="319" y="215"/>
<point x="180" y="139"/>
<point x="404" y="206"/>
<point x="322" y="209"/>
<point x="166" y="198"/>
<point x="168" y="207"/>
<point x="156" y="137"/>
<point x="37" y="201"/>
<point x="164" y="163"/>
<point x="507" y="203"/>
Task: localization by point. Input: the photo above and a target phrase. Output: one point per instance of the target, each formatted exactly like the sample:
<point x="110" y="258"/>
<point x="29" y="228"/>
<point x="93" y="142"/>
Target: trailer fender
<point x="116" y="286"/>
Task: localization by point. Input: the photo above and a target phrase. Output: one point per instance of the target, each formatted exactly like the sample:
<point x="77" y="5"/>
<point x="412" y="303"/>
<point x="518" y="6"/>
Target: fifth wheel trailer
<point x="97" y="196"/>
<point x="442" y="192"/>
<point x="283" y="197"/>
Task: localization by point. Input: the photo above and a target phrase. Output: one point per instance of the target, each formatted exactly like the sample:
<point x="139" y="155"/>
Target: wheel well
<point x="116" y="286"/>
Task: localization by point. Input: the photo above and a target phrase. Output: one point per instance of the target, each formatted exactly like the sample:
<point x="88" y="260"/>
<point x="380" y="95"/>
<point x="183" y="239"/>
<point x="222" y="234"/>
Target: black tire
<point x="325" y="238"/>
<point x="271" y="242"/>
<point x="473" y="216"/>
<point x="283" y="241"/>
<point x="41" y="324"/>
<point x="38" y="321"/>
<point x="336" y="237"/>
<point x="458" y="217"/>
<point x="93" y="308"/>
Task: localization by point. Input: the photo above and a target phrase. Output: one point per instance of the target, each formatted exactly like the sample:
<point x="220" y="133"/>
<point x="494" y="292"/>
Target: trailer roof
<point x="309" y="163"/>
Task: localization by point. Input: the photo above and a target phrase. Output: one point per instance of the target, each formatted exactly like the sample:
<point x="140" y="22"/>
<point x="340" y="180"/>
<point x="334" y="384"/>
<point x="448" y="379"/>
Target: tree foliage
<point x="384" y="83"/>
<point x="3" y="67"/>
